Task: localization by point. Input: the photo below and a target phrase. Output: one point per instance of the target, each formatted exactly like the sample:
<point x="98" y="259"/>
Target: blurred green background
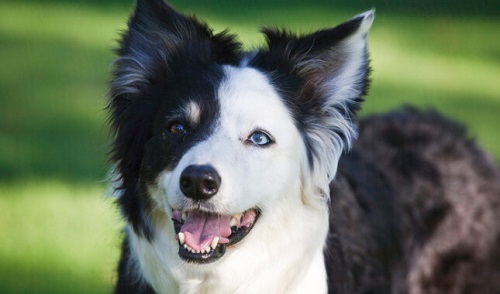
<point x="60" y="234"/>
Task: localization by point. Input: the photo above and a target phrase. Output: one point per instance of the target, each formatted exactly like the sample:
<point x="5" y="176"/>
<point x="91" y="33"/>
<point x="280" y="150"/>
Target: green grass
<point x="59" y="234"/>
<point x="57" y="238"/>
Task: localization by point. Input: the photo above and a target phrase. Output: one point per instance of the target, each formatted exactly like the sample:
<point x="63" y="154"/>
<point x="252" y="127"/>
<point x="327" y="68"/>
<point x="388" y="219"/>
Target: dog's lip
<point x="240" y="225"/>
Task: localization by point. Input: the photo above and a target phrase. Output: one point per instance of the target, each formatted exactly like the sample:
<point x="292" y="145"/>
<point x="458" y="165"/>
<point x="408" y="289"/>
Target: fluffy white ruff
<point x="287" y="242"/>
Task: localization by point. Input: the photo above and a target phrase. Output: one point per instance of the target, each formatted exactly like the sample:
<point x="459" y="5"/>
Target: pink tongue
<point x="200" y="228"/>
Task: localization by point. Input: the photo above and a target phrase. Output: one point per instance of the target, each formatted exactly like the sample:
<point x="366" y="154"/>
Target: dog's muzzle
<point x="203" y="235"/>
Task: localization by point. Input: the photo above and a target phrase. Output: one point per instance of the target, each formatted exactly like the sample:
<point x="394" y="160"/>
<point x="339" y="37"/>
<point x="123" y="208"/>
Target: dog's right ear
<point x="151" y="36"/>
<point x="155" y="33"/>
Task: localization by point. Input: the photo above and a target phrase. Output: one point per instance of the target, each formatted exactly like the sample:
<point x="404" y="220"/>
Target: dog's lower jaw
<point x="282" y="254"/>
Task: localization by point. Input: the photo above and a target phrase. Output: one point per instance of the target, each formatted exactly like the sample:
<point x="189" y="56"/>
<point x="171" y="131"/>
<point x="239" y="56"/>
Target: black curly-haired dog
<point x="239" y="172"/>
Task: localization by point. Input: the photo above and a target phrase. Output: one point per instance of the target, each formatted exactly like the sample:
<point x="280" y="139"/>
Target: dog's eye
<point x="177" y="128"/>
<point x="260" y="138"/>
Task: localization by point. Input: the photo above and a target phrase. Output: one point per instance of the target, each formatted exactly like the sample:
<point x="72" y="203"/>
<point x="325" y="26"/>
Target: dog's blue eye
<point x="177" y="128"/>
<point x="260" y="138"/>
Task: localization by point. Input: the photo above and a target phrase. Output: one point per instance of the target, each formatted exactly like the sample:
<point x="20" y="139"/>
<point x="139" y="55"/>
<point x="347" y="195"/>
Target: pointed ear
<point x="156" y="34"/>
<point x="332" y="69"/>
<point x="332" y="63"/>
<point x="336" y="66"/>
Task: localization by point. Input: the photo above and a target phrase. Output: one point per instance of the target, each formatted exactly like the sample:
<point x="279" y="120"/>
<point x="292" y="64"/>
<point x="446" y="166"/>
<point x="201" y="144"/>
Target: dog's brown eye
<point x="177" y="128"/>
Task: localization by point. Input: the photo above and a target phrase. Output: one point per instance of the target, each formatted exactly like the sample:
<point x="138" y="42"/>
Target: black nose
<point x="199" y="182"/>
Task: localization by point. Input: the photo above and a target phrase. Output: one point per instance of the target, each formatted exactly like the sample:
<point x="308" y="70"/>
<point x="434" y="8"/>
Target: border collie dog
<point x="248" y="172"/>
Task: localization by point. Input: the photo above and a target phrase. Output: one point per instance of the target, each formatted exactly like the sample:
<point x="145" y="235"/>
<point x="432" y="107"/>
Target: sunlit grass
<point x="82" y="25"/>
<point x="465" y="68"/>
<point x="52" y="95"/>
<point x="57" y="238"/>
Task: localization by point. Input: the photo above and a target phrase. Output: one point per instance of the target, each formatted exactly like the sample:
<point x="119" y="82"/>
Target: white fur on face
<point x="252" y="176"/>
<point x="265" y="177"/>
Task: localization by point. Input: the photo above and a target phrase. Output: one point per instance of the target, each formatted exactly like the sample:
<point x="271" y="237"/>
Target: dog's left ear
<point x="332" y="69"/>
<point x="332" y="64"/>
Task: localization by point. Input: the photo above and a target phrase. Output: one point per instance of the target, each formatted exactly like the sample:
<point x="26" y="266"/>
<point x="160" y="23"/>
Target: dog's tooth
<point x="181" y="238"/>
<point x="214" y="243"/>
<point x="184" y="216"/>
<point x="233" y="222"/>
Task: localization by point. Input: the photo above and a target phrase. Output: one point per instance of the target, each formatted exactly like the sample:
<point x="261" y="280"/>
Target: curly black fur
<point x="415" y="209"/>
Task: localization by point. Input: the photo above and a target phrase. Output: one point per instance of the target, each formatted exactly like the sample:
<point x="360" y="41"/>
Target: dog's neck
<point x="282" y="255"/>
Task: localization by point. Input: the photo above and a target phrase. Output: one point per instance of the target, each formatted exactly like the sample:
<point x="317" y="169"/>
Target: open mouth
<point x="203" y="236"/>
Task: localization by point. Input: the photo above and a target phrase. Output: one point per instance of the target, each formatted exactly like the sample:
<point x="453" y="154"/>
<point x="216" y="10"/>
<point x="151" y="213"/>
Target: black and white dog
<point x="232" y="175"/>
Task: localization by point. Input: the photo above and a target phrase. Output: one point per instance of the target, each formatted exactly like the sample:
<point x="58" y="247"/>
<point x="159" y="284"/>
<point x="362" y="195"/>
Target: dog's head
<point x="209" y="140"/>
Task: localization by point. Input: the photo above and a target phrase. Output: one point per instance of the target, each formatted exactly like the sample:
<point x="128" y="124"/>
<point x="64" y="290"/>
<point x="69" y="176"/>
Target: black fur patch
<point x="165" y="61"/>
<point x="402" y="205"/>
